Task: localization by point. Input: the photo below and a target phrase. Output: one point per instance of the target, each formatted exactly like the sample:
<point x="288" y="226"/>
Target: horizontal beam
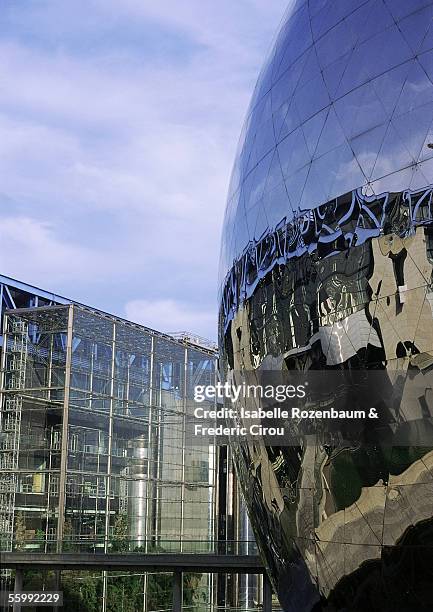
<point x="155" y="562"/>
<point x="47" y="295"/>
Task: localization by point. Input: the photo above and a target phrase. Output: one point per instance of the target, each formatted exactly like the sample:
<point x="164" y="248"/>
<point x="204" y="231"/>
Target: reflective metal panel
<point x="326" y="263"/>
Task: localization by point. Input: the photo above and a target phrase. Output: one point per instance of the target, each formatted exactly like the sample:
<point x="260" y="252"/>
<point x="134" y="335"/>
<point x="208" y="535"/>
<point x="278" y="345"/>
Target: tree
<point x="119" y="539"/>
<point x="159" y="591"/>
<point x="82" y="591"/>
<point x="124" y="593"/>
<point x="20" y="531"/>
<point x="67" y="544"/>
<point x="192" y="593"/>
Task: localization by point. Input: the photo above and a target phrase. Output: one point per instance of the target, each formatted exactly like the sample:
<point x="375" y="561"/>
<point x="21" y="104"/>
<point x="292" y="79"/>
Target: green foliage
<point x="124" y="593"/>
<point x="40" y="534"/>
<point x="82" y="591"/>
<point x="67" y="545"/>
<point x="159" y="591"/>
<point x="20" y="531"/>
<point x="34" y="580"/>
<point x="191" y="588"/>
<point x="119" y="539"/>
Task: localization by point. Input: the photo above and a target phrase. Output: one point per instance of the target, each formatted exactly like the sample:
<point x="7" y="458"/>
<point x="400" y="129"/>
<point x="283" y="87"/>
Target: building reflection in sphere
<point x="326" y="263"/>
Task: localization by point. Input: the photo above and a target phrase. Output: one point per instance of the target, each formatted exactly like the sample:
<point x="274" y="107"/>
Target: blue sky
<point x="119" y="121"/>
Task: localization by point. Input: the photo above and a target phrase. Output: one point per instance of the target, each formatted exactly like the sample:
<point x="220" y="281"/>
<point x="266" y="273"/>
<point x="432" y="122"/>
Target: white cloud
<point x="118" y="156"/>
<point x="172" y="316"/>
<point x="45" y="259"/>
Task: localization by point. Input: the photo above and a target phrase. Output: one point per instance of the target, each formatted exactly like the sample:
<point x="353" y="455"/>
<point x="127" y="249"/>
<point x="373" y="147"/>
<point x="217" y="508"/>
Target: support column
<point x="18" y="587"/>
<point x="57" y="585"/>
<point x="57" y="580"/>
<point x="64" y="439"/>
<point x="177" y="591"/>
<point x="267" y="594"/>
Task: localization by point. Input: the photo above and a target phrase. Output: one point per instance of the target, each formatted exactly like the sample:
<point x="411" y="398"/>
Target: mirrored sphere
<point x="326" y="264"/>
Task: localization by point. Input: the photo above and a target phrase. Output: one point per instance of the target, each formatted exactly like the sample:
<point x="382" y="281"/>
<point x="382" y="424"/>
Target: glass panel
<point x="125" y="437"/>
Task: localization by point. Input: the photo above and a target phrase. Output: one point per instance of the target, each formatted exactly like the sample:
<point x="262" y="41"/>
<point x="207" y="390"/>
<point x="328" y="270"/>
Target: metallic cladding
<point x="344" y="102"/>
<point x="327" y="263"/>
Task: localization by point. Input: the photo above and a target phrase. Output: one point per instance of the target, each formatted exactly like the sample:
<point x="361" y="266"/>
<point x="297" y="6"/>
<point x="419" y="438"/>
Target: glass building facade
<point x="326" y="264"/>
<point x="92" y="445"/>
